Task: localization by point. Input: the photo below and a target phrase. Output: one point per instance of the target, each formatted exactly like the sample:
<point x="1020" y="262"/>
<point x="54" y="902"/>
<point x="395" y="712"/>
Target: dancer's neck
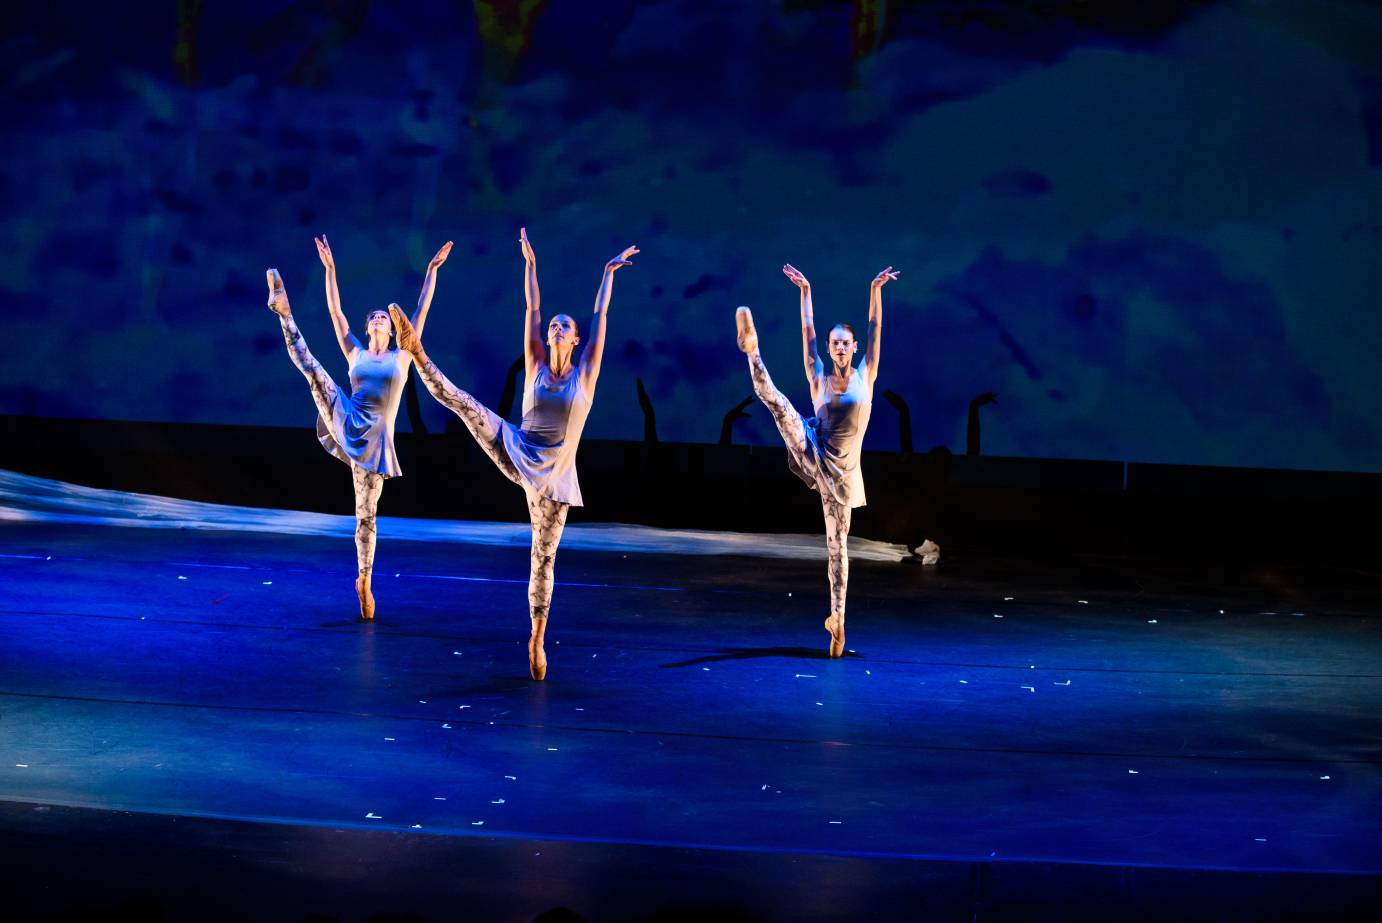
<point x="378" y="344"/>
<point x="559" y="364"/>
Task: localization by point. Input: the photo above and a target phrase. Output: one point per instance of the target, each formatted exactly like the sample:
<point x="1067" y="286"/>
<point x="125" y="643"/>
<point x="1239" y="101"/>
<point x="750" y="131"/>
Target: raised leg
<point x="837" y="517"/>
<point x="368" y="486"/>
<point x="324" y="392"/>
<point x="548" y="519"/>
<point x="789" y="422"/>
<point x="484" y="424"/>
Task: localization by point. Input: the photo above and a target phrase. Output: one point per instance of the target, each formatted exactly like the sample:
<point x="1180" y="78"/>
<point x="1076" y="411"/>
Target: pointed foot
<point x="366" y="597"/>
<point x="748" y="336"/>
<point x="537" y="660"/>
<point x="836" y="626"/>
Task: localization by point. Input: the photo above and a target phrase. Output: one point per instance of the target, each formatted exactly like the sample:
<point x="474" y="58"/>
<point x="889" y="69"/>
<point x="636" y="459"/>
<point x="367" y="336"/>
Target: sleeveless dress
<point x="360" y="431"/>
<point x="829" y="461"/>
<point x="543" y="447"/>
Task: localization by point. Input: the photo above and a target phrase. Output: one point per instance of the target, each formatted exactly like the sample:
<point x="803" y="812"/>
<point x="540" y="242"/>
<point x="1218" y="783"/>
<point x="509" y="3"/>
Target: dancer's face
<point x="561" y="331"/>
<point x="842" y="346"/>
<point x="378" y="321"/>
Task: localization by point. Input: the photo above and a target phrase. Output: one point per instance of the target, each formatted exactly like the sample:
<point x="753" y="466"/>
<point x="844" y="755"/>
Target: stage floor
<point x="1089" y="736"/>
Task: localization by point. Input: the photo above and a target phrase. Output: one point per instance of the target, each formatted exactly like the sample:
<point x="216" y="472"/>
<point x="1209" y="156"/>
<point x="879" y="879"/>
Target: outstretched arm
<point x="876" y="321"/>
<point x="429" y="287"/>
<point x="809" y="357"/>
<point x="532" y="324"/>
<point x="595" y="347"/>
<point x="347" y="342"/>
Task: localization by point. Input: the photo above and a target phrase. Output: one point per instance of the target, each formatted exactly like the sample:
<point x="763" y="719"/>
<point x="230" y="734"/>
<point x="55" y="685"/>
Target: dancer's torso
<point x="843" y="417"/>
<point x="554" y="412"/>
<point x="376" y="382"/>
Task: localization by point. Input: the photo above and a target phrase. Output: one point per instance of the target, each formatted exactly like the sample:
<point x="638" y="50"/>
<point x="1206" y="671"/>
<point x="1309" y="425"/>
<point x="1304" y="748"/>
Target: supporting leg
<point x="548" y="518"/>
<point x="368" y="486"/>
<point x="837" y="517"/>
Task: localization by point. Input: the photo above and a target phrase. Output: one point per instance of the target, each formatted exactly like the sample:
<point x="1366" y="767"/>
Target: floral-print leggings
<point x="547" y="517"/>
<point x="368" y="484"/>
<point x="837" y="514"/>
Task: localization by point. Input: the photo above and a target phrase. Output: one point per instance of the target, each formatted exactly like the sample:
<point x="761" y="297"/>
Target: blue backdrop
<point x="1154" y="230"/>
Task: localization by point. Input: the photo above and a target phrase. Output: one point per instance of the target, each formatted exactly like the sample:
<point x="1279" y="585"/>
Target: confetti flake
<point x="1151" y="621"/>
<point x="1065" y="683"/>
<point x="1007" y="599"/>
<point x="446" y="726"/>
<point x="836" y="822"/>
<point x="964" y="682"/>
<point x="706" y="669"/>
<point x="388" y="738"/>
<point x="765" y="788"/>
<point x="26" y="766"/>
<point x="439" y="798"/>
<point x="1030" y="688"/>
<point x="1133" y="772"/>
<point x="512" y="778"/>
<point x="268" y="583"/>
<point x="181" y="577"/>
<point x="497" y="801"/>
<point x="477" y="823"/>
<point x="1083" y="602"/>
<point x="551" y="749"/>
<point x="804" y="675"/>
<point x="1260" y="839"/>
<point x="1324" y="778"/>
<point x="372" y="816"/>
<point x="416" y="827"/>
<point x="456" y="653"/>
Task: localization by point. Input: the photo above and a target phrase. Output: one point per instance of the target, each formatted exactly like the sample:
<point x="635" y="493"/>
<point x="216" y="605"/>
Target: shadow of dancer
<point x="925" y="477"/>
<point x="972" y="429"/>
<point x="737" y="412"/>
<point x="649" y="415"/>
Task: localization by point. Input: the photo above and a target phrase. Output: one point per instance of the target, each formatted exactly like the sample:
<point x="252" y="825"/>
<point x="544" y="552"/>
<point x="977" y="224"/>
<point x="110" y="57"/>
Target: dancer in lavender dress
<point x="540" y="454"/>
<point x="824" y="450"/>
<point x="357" y="426"/>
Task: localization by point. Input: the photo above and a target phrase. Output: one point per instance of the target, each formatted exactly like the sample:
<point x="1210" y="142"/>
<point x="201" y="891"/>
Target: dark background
<point x="1153" y="229"/>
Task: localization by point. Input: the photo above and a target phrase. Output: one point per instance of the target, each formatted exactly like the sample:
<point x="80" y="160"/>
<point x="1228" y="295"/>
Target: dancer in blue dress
<point x="824" y="450"/>
<point x="358" y="426"/>
<point x="540" y="454"/>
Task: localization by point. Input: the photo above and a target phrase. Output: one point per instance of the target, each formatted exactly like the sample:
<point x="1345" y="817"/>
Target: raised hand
<point x="324" y="251"/>
<point x="441" y="256"/>
<point x="528" y="254"/>
<point x="278" y="298"/>
<point x="892" y="397"/>
<point x="621" y="260"/>
<point x="884" y="277"/>
<point x="986" y="398"/>
<point x="795" y="275"/>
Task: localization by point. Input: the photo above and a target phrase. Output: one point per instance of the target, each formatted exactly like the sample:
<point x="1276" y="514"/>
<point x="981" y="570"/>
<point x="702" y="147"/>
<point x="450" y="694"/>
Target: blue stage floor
<point x="1108" y="716"/>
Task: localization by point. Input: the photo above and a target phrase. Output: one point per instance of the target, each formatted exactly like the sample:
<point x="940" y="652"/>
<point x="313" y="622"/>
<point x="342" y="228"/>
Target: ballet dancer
<point x="540" y="454"/>
<point x="357" y="427"/>
<point x="824" y="450"/>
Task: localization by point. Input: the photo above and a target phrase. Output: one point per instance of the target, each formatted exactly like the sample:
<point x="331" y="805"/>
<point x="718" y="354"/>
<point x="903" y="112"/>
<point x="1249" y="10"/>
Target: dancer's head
<point x="562" y="333"/>
<point x="842" y="344"/>
<point x="378" y="319"/>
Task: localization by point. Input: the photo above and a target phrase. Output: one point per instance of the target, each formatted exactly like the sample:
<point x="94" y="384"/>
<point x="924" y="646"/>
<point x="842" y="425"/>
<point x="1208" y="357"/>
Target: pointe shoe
<point x="408" y="340"/>
<point x="278" y="297"/>
<point x="362" y="590"/>
<point x="748" y="336"/>
<point x="537" y="660"/>
<point x="836" y="626"/>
